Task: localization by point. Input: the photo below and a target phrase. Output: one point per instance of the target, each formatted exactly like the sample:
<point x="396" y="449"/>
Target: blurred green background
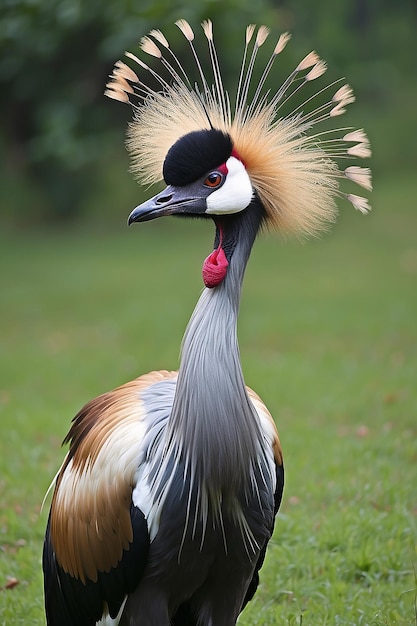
<point x="61" y="141"/>
<point x="328" y="330"/>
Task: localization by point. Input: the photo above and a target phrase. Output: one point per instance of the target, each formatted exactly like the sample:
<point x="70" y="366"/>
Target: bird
<point x="166" y="500"/>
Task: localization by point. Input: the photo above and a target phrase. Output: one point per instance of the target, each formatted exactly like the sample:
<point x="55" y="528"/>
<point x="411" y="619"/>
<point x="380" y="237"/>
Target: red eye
<point x="214" y="179"/>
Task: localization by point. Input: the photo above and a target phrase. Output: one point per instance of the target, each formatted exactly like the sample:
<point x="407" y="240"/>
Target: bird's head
<point x="228" y="163"/>
<point x="205" y="177"/>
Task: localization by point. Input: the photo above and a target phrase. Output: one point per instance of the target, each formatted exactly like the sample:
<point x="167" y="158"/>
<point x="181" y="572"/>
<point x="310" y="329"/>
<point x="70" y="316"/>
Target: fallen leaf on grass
<point x="362" y="431"/>
<point x="12" y="582"/>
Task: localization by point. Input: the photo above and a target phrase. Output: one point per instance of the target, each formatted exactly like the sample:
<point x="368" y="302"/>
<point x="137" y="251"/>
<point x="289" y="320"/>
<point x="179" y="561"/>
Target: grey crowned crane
<point x="165" y="502"/>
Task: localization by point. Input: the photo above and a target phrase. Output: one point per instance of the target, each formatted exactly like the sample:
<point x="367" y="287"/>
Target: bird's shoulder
<point x="109" y="414"/>
<point x="268" y="425"/>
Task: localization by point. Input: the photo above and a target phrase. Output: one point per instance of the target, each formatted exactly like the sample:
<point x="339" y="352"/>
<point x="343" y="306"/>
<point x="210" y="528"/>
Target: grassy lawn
<point x="328" y="337"/>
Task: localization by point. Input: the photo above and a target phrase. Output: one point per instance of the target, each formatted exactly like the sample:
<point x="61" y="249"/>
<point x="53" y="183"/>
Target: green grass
<point x="328" y="335"/>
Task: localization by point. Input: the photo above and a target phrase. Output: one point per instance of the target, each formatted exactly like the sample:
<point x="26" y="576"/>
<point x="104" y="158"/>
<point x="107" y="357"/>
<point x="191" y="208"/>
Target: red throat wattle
<point x="215" y="266"/>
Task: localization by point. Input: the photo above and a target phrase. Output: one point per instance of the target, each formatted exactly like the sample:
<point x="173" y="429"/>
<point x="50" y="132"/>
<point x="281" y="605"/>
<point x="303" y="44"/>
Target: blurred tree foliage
<point x="55" y="55"/>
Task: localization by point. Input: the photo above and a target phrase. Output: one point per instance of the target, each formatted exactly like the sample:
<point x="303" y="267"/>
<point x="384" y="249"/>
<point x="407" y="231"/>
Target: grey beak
<point x="171" y="201"/>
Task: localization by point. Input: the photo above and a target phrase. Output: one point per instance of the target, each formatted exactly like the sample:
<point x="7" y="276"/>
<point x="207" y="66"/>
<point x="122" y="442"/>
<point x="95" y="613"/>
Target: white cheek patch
<point x="235" y="194"/>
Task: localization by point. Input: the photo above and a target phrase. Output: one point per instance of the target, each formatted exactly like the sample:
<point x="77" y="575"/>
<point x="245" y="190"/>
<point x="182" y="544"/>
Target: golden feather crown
<point x="294" y="169"/>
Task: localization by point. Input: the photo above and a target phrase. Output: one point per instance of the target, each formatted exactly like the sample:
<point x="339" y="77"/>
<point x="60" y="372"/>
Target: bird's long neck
<point x="212" y="421"/>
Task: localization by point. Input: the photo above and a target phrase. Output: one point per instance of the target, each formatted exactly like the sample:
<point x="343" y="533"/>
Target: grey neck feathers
<point x="212" y="424"/>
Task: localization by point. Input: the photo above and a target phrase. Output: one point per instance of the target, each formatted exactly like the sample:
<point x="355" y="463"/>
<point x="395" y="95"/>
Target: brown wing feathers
<point x="90" y="512"/>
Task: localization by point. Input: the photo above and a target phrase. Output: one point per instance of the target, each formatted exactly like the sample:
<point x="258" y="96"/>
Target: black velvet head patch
<point x="195" y="154"/>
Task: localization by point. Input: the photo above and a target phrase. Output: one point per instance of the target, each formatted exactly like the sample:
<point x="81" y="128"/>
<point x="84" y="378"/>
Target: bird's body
<point x="169" y="577"/>
<point x="208" y="489"/>
<point x="165" y="503"/>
